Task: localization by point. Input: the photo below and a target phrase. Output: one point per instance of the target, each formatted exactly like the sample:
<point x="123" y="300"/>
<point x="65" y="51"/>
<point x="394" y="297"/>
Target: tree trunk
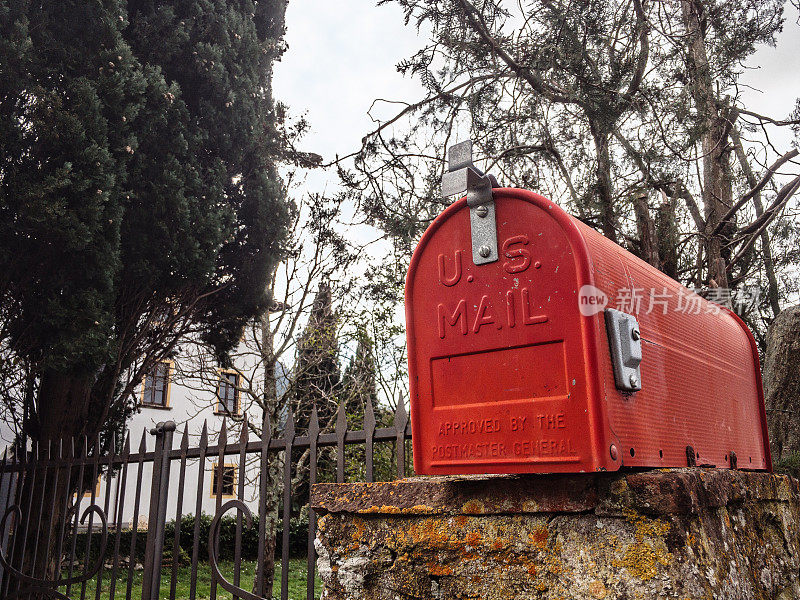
<point x="667" y="236"/>
<point x="43" y="499"/>
<point x="63" y="406"/>
<point x="62" y="413"/>
<point x="782" y="383"/>
<point x="646" y="229"/>
<point x="272" y="494"/>
<point x="605" y="196"/>
<point x="717" y="177"/>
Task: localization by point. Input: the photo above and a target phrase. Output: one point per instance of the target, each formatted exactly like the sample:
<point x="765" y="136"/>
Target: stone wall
<point x="682" y="533"/>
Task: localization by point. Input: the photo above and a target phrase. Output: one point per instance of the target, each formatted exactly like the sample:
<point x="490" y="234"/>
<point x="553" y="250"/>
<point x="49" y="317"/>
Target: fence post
<point x="157" y="516"/>
<point x="7" y="483"/>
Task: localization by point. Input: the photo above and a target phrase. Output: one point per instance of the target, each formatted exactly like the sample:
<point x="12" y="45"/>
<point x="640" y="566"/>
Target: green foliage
<point x="69" y="94"/>
<point x="139" y="196"/>
<point x="789" y="464"/>
<point x="298" y="539"/>
<point x="317" y="377"/>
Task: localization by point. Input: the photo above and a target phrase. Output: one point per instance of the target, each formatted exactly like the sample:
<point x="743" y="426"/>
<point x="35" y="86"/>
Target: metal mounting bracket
<point x="463" y="176"/>
<point x="625" y="343"/>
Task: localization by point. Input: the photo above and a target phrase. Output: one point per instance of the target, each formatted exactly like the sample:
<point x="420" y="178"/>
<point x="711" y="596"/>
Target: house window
<point x="155" y="389"/>
<point x="227" y="486"/>
<point x="228" y="393"/>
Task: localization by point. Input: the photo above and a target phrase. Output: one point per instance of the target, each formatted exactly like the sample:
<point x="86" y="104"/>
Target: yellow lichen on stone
<point x="473" y="538"/>
<point x="358" y="530"/>
<point x="481" y="547"/>
<point x="439" y="570"/>
<point x="530" y="506"/>
<point x="641" y="560"/>
<point x="619" y="487"/>
<point x="646" y="528"/>
<point x="384" y="510"/>
<point x="538" y="537"/>
<point x="598" y="589"/>
<point x="419" y="509"/>
<point x="473" y="507"/>
<point x="642" y="557"/>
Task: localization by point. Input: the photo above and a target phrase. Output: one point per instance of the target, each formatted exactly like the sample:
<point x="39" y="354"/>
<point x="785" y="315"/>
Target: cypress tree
<point x="139" y="198"/>
<point x="317" y="379"/>
<point x="358" y="381"/>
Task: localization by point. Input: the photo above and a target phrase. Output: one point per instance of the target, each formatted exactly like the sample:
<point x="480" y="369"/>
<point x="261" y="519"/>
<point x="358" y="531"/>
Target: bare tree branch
<point x="765" y="119"/>
<point x="549" y="90"/>
<point x="766" y="248"/>
<point x="410" y="108"/>
<point x="755" y="190"/>
<point x="760" y="224"/>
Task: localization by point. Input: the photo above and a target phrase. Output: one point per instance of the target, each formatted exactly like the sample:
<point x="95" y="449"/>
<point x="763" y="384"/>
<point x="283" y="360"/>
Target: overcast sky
<point x="342" y="55"/>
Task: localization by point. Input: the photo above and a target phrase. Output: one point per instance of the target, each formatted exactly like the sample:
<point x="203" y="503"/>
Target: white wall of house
<point x="189" y="409"/>
<point x="192" y="400"/>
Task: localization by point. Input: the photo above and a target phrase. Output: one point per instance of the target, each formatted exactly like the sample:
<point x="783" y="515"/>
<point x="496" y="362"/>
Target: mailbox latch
<point x="625" y="342"/>
<point x="463" y="176"/>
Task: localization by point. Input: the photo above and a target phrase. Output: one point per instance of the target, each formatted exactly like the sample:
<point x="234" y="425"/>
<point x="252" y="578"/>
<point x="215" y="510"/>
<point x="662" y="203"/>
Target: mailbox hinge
<point x="463" y="176"/>
<point x="625" y="343"/>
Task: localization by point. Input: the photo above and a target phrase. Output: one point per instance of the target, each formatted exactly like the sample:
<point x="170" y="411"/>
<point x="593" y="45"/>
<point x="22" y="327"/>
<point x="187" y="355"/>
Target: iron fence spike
<point x="223" y="434"/>
<point x="204" y="435"/>
<point x="289" y="429"/>
<point x="313" y="426"/>
<point x="341" y="418"/>
<point x="369" y="416"/>
<point x="244" y="434"/>
<point x="143" y="442"/>
<point x="185" y="438"/>
<point x="400" y="416"/>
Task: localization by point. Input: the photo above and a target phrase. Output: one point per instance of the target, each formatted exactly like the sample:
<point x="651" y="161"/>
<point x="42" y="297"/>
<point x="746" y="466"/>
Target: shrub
<point x="298" y="539"/>
<point x="789" y="464"/>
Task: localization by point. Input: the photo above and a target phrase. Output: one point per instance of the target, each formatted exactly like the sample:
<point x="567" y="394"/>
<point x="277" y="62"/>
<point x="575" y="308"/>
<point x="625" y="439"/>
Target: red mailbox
<point x="528" y="351"/>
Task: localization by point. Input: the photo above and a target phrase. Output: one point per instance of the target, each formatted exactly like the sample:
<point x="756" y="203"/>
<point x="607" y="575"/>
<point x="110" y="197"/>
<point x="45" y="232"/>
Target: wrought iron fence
<point x="56" y="543"/>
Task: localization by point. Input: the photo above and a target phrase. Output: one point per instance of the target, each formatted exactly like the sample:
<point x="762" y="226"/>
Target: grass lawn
<point x="297" y="582"/>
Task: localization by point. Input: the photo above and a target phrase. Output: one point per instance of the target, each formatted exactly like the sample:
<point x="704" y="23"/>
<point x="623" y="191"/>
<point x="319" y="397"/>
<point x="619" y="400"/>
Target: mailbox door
<point x="502" y="364"/>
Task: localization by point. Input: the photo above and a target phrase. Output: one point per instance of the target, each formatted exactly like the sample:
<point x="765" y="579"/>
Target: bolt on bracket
<point x="463" y="176"/>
